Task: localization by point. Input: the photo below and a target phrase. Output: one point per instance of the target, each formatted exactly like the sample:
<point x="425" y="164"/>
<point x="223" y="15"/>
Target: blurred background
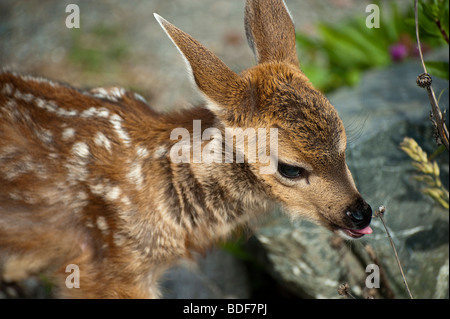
<point x="121" y="43"/>
<point x="368" y="74"/>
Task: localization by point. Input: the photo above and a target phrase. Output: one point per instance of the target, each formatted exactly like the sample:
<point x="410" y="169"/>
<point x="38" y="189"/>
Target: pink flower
<point x="398" y="52"/>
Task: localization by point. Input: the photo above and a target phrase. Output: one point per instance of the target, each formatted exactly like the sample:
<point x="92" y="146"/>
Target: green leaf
<point x="444" y="16"/>
<point x="429" y="8"/>
<point x="429" y="13"/>
<point x="438" y="68"/>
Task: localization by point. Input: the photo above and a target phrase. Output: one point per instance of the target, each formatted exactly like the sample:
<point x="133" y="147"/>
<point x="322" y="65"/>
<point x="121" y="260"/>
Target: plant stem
<point x="437" y="115"/>
<point x="380" y="214"/>
<point x="439" y="150"/>
<point x="441" y="29"/>
<point x="416" y="16"/>
<point x="344" y="290"/>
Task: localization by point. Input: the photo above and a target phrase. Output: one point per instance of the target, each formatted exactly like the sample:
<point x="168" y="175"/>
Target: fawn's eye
<point x="290" y="171"/>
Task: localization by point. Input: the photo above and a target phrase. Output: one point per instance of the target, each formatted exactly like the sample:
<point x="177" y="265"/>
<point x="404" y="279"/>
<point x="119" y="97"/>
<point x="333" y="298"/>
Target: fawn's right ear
<point x="214" y="79"/>
<point x="270" y="31"/>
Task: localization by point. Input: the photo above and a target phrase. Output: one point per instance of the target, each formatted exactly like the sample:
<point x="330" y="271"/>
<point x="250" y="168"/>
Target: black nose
<point x="360" y="214"/>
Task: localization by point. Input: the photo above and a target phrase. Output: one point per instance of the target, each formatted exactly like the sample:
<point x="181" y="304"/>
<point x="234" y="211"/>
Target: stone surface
<point x="218" y="275"/>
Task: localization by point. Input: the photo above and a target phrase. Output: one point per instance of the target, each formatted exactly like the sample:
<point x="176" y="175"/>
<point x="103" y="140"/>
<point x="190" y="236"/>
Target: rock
<point x="379" y="113"/>
<point x="217" y="275"/>
<point x="308" y="260"/>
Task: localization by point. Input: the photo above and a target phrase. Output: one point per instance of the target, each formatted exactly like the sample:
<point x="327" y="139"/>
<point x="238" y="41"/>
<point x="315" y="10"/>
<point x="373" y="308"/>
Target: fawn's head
<point x="312" y="179"/>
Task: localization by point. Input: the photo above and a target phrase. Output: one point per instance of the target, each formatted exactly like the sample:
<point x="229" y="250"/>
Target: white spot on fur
<point x="112" y="93"/>
<point x="125" y="200"/>
<point x="117" y="92"/>
<point x="89" y="112"/>
<point x="116" y="121"/>
<point x="81" y="149"/>
<point x="81" y="196"/>
<point x="160" y="152"/>
<point x="45" y="136"/>
<point x="51" y="107"/>
<point x="102" y="225"/>
<point x="77" y="167"/>
<point x="141" y="152"/>
<point x="68" y="134"/>
<point x="27" y="97"/>
<point x="46" y="105"/>
<point x="7" y="89"/>
<point x="99" y="92"/>
<point x="20" y="167"/>
<point x="65" y="113"/>
<point x="113" y="193"/>
<point x="53" y="156"/>
<point x="37" y="80"/>
<point x="135" y="175"/>
<point x="97" y="189"/>
<point x="108" y="192"/>
<point x="92" y="111"/>
<point x="102" y="112"/>
<point x="118" y="239"/>
<point x="102" y="140"/>
<point x="11" y="104"/>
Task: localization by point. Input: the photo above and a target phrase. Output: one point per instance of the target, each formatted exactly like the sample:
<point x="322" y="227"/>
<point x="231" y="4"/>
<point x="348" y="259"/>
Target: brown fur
<point x="86" y="177"/>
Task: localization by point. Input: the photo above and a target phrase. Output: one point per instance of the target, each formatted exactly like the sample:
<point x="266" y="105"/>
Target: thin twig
<point x="424" y="80"/>
<point x="416" y="16"/>
<point x="344" y="290"/>
<point x="380" y="214"/>
<point x="385" y="286"/>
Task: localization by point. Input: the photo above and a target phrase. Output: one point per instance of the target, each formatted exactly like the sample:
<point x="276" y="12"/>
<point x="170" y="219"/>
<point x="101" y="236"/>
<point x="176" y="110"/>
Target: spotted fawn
<point x="88" y="177"/>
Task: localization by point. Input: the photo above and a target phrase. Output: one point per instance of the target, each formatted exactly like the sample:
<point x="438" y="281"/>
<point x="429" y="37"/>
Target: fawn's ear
<point x="214" y="79"/>
<point x="270" y="31"/>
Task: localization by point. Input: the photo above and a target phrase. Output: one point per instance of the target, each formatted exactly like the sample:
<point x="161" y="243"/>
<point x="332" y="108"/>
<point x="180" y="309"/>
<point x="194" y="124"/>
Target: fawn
<point x="86" y="177"/>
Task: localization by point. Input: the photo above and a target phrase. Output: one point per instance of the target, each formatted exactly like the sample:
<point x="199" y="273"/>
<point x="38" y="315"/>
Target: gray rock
<point x="217" y="275"/>
<point x="379" y="113"/>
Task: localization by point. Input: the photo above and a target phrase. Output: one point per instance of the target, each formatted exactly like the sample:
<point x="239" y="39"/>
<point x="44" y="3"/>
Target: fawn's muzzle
<point x="358" y="218"/>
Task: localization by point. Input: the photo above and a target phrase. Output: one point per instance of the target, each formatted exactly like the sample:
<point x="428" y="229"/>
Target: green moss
<point x="101" y="48"/>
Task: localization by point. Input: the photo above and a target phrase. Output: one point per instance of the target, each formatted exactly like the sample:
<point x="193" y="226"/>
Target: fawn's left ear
<point x="270" y="31"/>
<point x="214" y="79"/>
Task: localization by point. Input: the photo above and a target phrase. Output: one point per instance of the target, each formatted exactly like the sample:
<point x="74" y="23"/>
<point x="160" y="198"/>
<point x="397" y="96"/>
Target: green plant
<point x="429" y="172"/>
<point x="340" y="53"/>
<point x="424" y="80"/>
<point x="98" y="49"/>
<point x="434" y="26"/>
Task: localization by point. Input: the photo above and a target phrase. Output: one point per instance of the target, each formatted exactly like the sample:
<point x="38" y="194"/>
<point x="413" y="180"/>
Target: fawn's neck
<point x="201" y="202"/>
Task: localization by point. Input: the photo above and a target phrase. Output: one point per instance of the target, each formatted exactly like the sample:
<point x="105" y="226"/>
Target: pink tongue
<point x="365" y="231"/>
